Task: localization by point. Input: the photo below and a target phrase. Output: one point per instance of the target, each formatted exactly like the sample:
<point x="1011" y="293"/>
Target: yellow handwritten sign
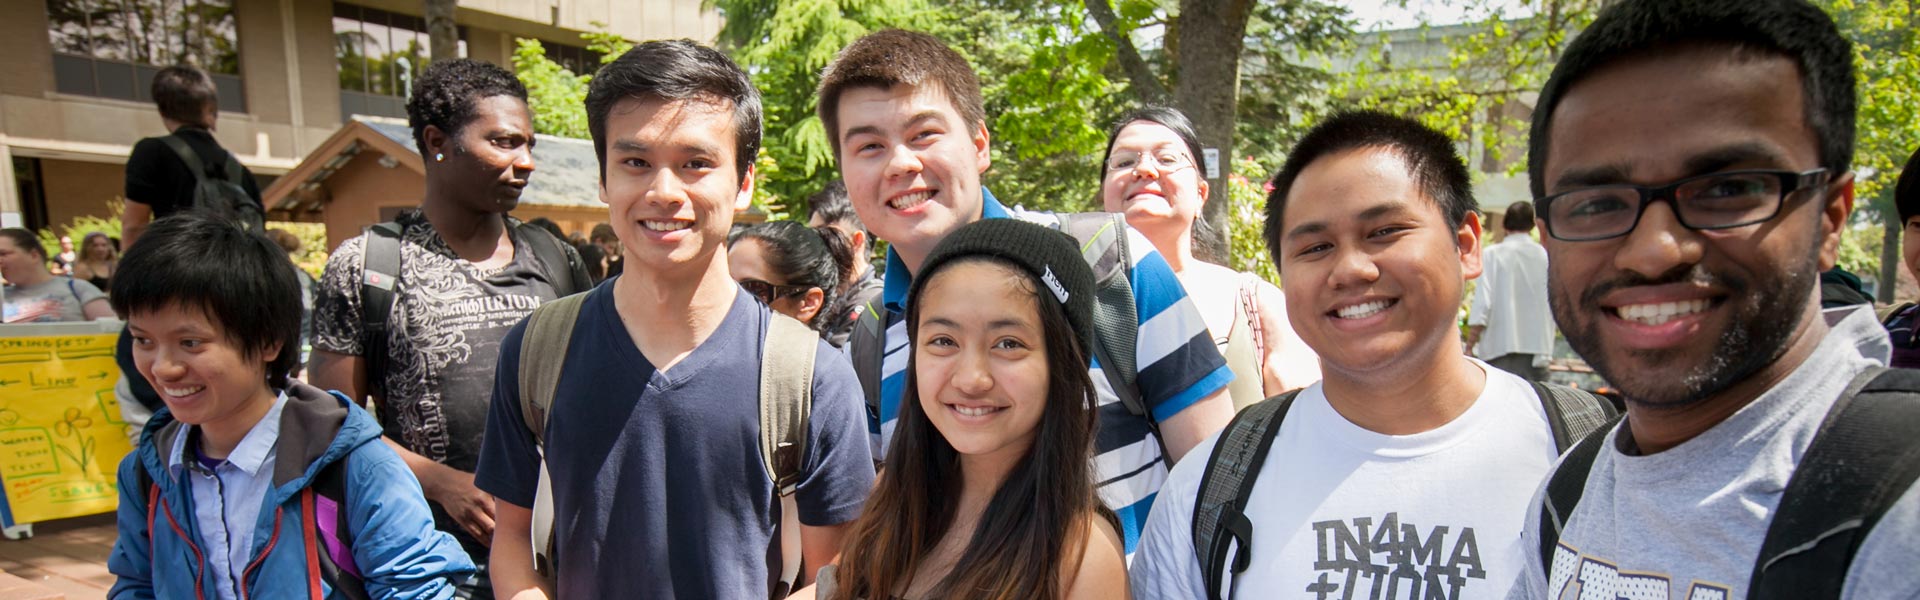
<point x="61" y="436"/>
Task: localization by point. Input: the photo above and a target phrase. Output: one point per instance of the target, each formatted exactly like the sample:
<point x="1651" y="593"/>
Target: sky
<point x="1376" y="15"/>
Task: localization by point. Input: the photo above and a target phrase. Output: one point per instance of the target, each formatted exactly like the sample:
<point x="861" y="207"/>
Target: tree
<point x="443" y="37"/>
<point x="1887" y="55"/>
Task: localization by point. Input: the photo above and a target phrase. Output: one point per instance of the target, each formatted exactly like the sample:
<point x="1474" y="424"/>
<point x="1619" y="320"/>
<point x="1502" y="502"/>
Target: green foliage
<point x="1246" y="239"/>
<point x="556" y="95"/>
<point x="78" y="228"/>
<point x="312" y="256"/>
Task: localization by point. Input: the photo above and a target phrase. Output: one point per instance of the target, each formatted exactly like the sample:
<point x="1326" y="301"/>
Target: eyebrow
<point x="1365" y="215"/>
<point x="991" y="325"/>
<point x="633" y="147"/>
<point x="1715" y="159"/>
<point x="875" y="129"/>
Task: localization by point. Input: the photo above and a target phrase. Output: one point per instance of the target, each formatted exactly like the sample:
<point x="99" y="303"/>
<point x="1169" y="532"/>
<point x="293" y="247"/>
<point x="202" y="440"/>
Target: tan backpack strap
<point x="786" y="399"/>
<point x="543" y="354"/>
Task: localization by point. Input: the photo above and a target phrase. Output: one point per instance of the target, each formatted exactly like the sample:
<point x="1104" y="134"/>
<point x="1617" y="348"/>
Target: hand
<point x="470" y="507"/>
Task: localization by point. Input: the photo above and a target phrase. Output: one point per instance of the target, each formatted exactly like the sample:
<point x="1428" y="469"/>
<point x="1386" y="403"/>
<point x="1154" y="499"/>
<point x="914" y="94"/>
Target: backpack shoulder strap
<point x="1572" y="414"/>
<point x="1863" y="459"/>
<point x="556" y="253"/>
<point x="1567" y="484"/>
<point x="1889" y="313"/>
<point x="1219" y="516"/>
<point x="1102" y="239"/>
<point x="379" y="283"/>
<point x="187" y="155"/>
<point x="543" y="355"/>
<point x="867" y="347"/>
<point x="786" y="401"/>
<point x="332" y="553"/>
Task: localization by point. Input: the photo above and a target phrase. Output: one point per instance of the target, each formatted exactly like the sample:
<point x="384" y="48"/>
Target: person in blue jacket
<point x="249" y="484"/>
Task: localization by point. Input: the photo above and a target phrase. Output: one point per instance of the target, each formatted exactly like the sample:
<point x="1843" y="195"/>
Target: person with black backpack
<point x="412" y="313"/>
<point x="248" y="483"/>
<point x="1402" y="473"/>
<point x="1692" y="161"/>
<point x="186" y="169"/>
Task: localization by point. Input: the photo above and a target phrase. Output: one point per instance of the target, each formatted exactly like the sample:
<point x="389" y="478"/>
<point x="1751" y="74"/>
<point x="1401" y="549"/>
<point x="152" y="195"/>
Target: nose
<point x="666" y="189"/>
<point x="1146" y="168"/>
<point x="523" y="159"/>
<point x="902" y="161"/>
<point x="162" y="365"/>
<point x="1658" y="243"/>
<point x="970" y="374"/>
<point x="1353" y="268"/>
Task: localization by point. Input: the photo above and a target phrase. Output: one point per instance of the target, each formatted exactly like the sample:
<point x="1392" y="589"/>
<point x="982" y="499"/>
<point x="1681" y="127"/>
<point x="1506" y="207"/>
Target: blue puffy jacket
<point x="395" y="548"/>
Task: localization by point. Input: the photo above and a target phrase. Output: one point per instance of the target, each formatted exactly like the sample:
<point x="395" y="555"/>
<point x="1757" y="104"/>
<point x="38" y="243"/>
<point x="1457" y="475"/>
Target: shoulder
<point x="1102" y="569"/>
<point x="84" y="287"/>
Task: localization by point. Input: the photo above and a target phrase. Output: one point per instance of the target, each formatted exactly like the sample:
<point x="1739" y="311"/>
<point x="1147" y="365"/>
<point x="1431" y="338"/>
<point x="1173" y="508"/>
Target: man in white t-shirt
<point x="1404" y="473"/>
<point x="1509" y="324"/>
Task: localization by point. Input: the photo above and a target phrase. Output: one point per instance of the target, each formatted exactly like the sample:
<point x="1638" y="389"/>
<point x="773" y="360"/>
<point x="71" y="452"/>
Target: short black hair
<point x="1429" y="155"/>
<point x="251" y="293"/>
<point x="1633" y="29"/>
<point x="446" y="91"/>
<point x="1906" y="193"/>
<point x="25" y="240"/>
<point x="1519" y="217"/>
<point x="185" y="94"/>
<point x="676" y="70"/>
<point x="834" y="207"/>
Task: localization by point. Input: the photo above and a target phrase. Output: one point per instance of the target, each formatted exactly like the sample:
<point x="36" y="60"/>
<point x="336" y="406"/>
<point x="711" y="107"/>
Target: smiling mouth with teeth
<point x="666" y="225"/>
<point x="975" y="411"/>
<point x="1361" y="311"/>
<point x="178" y="392"/>
<point x="909" y="200"/>
<point x="1661" y="312"/>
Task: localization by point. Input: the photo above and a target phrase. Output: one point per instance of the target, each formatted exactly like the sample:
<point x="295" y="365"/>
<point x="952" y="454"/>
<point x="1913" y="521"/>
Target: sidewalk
<point x="68" y="556"/>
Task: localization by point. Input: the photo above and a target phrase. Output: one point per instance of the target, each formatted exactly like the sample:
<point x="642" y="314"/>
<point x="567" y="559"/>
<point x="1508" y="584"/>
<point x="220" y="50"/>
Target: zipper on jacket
<point x="200" y="575"/>
<point x="246" y="576"/>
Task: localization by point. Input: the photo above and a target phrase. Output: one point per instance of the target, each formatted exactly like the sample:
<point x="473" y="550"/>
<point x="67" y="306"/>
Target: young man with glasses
<point x="1692" y="160"/>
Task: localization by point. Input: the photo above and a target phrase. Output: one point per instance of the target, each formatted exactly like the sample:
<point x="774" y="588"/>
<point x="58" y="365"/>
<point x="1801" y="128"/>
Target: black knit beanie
<point x="1050" y="256"/>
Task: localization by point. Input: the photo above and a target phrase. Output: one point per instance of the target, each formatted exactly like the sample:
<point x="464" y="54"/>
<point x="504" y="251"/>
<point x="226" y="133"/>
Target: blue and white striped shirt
<point x="1179" y="365"/>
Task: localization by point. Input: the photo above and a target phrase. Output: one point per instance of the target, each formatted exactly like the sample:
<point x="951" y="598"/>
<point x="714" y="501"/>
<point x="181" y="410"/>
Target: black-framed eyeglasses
<point x="1705" y="202"/>
<point x="768" y="292"/>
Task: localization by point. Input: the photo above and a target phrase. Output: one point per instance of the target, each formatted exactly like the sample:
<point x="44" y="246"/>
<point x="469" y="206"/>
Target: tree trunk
<point x="1210" y="37"/>
<point x="1146" y="86"/>
<point x="443" y="38"/>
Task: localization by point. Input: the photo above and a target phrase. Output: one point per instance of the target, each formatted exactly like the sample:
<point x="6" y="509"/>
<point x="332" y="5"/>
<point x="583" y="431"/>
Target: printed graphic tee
<point x="1340" y="512"/>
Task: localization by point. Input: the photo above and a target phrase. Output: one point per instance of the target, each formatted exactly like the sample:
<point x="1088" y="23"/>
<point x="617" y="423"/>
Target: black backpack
<point x="1219" y="517"/>
<point x="1863" y="458"/>
<point x="380" y="278"/>
<point x="220" y="196"/>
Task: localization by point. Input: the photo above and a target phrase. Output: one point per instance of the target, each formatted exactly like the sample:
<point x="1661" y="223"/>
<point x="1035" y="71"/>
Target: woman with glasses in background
<point x="1151" y="175"/>
<point x="793" y="268"/>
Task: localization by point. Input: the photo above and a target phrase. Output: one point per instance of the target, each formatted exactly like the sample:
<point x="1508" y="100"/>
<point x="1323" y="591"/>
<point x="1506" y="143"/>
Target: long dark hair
<point x="1034" y="522"/>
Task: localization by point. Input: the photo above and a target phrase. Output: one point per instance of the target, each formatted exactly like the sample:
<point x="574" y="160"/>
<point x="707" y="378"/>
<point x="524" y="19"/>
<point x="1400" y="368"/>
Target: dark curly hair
<point x="445" y="92"/>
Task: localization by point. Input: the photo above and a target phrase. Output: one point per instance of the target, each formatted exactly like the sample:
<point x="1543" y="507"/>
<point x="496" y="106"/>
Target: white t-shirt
<point x="1341" y="512"/>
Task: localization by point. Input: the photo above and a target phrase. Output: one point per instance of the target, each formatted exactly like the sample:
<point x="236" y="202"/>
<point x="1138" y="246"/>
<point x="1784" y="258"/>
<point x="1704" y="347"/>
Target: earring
<point x="439" y="157"/>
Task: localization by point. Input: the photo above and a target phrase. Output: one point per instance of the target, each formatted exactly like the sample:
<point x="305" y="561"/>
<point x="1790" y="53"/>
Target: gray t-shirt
<point x="1687" y="523"/>
<point x="56" y="299"/>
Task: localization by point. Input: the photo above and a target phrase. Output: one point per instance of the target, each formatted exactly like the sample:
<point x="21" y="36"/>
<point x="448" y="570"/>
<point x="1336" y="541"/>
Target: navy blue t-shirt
<point x="659" y="490"/>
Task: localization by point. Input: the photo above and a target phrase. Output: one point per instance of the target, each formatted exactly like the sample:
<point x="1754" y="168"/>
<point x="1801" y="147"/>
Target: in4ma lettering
<point x="1393" y="561"/>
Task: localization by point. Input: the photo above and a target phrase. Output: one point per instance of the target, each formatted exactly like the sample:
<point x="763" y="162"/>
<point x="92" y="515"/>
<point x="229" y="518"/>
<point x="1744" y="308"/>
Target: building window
<point x="113" y="48"/>
<point x="379" y="54"/>
<point x="579" y="60"/>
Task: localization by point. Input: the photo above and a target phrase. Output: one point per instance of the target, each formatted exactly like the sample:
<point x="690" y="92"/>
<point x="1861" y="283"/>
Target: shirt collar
<point x="253" y="450"/>
<point x="899" y="281"/>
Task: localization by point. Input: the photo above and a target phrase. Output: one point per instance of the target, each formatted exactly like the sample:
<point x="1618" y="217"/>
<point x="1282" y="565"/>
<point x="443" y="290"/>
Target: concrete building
<point x="293" y="76"/>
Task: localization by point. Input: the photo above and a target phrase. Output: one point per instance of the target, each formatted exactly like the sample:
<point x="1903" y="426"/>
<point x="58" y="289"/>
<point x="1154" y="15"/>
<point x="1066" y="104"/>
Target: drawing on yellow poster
<point x="61" y="435"/>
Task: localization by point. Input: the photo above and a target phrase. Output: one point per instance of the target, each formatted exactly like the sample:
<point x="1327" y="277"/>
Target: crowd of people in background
<point x="1017" y="403"/>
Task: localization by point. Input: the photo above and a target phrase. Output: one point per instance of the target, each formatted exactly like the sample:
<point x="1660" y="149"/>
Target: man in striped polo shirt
<point x="904" y="116"/>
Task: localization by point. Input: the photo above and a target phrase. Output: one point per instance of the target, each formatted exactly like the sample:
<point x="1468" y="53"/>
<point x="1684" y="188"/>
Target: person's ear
<point x="439" y="143"/>
<point x="810" y="305"/>
<point x="1467" y="238"/>
<point x="1833" y="218"/>
<point x="981" y="141"/>
<point x="745" y="198"/>
<point x="1206" y="188"/>
<point x="859" y="242"/>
